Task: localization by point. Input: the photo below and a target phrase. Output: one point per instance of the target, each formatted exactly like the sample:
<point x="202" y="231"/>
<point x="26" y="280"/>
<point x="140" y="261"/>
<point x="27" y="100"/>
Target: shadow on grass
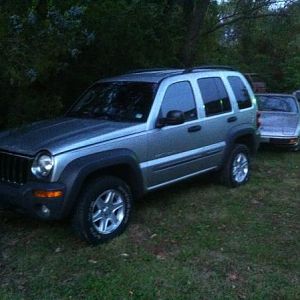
<point x="268" y="148"/>
<point x="164" y="194"/>
<point x="17" y="226"/>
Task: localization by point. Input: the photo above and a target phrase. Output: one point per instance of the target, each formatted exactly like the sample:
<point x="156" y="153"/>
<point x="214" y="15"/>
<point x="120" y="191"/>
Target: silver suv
<point x="124" y="137"/>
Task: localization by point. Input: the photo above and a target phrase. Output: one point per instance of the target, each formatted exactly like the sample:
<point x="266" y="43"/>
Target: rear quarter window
<point x="240" y="91"/>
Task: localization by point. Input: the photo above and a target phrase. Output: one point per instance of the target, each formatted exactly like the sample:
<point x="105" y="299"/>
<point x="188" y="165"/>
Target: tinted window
<point x="179" y="96"/>
<point x="215" y="97"/>
<point x="116" y="101"/>
<point x="240" y="91"/>
<point x="277" y="103"/>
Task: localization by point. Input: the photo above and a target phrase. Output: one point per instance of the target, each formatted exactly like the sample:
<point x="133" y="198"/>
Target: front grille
<point x="14" y="168"/>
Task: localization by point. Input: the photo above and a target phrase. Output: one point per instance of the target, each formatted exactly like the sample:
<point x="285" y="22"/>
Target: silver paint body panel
<point x="275" y="124"/>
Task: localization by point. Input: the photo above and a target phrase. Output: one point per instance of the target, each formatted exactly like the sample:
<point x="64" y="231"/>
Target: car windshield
<point x="116" y="101"/>
<point x="277" y="103"/>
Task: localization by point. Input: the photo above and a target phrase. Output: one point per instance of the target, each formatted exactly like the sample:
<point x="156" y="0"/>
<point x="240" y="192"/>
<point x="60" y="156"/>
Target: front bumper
<point x="21" y="197"/>
<point x="291" y="142"/>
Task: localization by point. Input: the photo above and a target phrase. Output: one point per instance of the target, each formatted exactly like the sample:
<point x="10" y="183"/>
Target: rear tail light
<point x="258" y="120"/>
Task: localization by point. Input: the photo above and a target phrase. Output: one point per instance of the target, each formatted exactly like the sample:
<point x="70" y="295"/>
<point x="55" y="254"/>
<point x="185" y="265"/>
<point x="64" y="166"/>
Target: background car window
<point x="240" y="91"/>
<point x="215" y="97"/>
<point x="277" y="103"/>
<point x="179" y="96"/>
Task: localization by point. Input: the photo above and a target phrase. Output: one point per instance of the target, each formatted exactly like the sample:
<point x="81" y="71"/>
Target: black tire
<point x="227" y="175"/>
<point x="87" y="208"/>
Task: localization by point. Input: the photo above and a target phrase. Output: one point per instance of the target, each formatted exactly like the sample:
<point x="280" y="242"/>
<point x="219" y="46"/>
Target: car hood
<point x="279" y="123"/>
<point x="63" y="134"/>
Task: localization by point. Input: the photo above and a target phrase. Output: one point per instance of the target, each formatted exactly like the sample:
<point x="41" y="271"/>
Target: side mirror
<point x="174" y="117"/>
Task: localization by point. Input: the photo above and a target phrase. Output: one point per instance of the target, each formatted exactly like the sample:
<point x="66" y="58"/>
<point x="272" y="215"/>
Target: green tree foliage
<point x="51" y="50"/>
<point x="37" y="46"/>
<point x="260" y="38"/>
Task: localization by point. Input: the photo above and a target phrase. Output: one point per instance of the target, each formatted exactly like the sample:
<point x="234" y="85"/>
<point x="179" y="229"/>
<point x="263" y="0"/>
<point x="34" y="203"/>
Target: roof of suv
<point x="156" y="75"/>
<point x="148" y="76"/>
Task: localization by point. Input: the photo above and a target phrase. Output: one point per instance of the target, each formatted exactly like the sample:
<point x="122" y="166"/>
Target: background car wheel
<point x="236" y="171"/>
<point x="103" y="210"/>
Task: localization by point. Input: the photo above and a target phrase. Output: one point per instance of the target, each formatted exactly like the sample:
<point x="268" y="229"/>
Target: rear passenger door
<point x="218" y="115"/>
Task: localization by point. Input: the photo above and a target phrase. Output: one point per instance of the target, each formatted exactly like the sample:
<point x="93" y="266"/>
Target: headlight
<point x="42" y="165"/>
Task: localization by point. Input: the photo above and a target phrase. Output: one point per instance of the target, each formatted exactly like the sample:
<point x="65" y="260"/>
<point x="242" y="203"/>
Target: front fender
<point x="75" y="173"/>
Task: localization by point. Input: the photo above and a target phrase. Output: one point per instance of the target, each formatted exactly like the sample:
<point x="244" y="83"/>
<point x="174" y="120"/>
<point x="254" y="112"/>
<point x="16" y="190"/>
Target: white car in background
<point x="280" y="120"/>
<point x="297" y="95"/>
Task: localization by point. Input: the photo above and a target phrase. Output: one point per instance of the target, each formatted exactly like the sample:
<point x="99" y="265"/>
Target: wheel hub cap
<point x="240" y="168"/>
<point x="108" y="211"/>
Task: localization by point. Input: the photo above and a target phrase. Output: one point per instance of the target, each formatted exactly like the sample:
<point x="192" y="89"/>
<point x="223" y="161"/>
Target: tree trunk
<point x="196" y="17"/>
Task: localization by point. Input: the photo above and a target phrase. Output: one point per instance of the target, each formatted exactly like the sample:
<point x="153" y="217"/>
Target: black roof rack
<point x="150" y="70"/>
<point x="208" y="67"/>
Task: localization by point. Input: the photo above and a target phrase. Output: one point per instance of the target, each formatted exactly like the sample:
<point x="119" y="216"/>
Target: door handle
<point x="194" y="128"/>
<point x="231" y="119"/>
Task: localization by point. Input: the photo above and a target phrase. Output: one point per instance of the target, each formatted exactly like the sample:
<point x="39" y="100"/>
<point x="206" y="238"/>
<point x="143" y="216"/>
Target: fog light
<point x="45" y="210"/>
<point x="48" y="194"/>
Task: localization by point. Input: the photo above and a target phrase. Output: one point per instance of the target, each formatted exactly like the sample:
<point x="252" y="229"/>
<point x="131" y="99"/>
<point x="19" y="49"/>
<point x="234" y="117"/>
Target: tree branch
<point x="242" y="17"/>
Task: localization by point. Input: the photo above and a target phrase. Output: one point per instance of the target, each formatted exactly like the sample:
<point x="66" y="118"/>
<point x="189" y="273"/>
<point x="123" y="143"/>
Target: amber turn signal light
<point x="48" y="194"/>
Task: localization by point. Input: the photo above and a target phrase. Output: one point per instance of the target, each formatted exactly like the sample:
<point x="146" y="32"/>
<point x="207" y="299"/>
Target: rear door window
<point x="214" y="95"/>
<point x="240" y="91"/>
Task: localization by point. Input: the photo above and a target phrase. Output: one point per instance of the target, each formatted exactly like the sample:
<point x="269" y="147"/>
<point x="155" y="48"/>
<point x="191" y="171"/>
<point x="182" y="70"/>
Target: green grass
<point x="194" y="240"/>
